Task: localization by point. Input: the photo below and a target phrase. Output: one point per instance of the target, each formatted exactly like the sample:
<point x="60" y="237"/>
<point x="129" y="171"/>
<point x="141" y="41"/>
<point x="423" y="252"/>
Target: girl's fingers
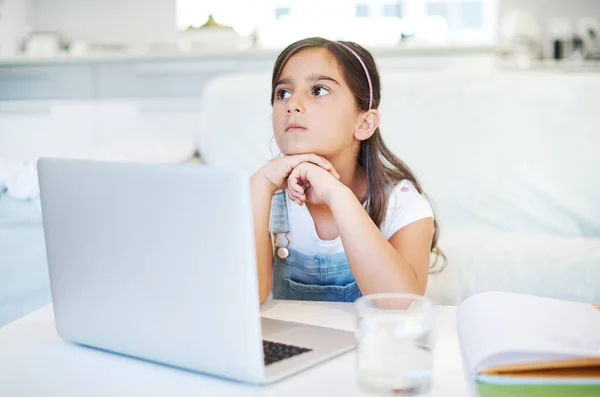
<point x="325" y="164"/>
<point x="295" y="190"/>
<point x="299" y="189"/>
<point x="310" y="158"/>
<point x="320" y="161"/>
<point x="334" y="172"/>
<point x="291" y="195"/>
<point x="298" y="199"/>
<point x="297" y="196"/>
<point x="317" y="160"/>
<point x="294" y="185"/>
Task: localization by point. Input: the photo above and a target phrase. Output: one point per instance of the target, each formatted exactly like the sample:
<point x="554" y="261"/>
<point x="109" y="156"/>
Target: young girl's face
<point x="314" y="110"/>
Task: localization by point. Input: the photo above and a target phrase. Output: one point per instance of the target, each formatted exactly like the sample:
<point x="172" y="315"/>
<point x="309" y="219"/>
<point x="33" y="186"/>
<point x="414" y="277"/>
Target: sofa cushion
<point x="495" y="151"/>
<point x="544" y="265"/>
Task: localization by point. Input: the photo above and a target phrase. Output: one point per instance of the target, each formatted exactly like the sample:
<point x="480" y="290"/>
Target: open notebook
<point x="530" y="345"/>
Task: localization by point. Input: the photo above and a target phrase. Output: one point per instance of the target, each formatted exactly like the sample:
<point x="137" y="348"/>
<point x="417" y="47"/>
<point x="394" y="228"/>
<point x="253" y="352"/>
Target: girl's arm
<point x="378" y="265"/>
<point x="264" y="183"/>
<point x="261" y="192"/>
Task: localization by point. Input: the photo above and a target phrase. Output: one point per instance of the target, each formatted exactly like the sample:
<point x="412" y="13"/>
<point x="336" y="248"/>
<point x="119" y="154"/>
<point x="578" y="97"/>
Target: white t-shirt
<point x="405" y="205"/>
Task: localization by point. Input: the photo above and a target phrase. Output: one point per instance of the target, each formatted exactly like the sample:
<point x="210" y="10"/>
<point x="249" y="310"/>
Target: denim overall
<point x="320" y="277"/>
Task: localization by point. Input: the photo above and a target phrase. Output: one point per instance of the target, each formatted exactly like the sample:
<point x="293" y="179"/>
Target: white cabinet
<point x="161" y="129"/>
<point x="35" y="128"/>
<point x="46" y="82"/>
<point x="157" y="129"/>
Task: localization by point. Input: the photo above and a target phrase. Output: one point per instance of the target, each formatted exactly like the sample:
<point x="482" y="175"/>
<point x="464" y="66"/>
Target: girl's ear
<point x="368" y="123"/>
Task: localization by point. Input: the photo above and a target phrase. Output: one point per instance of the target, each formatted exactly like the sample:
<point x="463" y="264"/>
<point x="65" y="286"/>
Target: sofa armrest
<point x="544" y="265"/>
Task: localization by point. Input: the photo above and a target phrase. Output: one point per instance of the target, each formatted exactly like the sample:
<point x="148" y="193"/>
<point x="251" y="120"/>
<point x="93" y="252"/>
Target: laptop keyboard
<point x="278" y="351"/>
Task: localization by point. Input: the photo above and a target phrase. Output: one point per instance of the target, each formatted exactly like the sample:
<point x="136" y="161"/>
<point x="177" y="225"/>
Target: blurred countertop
<point x="232" y="54"/>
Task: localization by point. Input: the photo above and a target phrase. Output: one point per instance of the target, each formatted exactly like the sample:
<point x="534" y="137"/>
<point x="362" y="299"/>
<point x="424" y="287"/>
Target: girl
<point x="352" y="219"/>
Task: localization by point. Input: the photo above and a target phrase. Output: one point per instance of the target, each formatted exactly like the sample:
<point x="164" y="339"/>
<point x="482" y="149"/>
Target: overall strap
<point x="280" y="224"/>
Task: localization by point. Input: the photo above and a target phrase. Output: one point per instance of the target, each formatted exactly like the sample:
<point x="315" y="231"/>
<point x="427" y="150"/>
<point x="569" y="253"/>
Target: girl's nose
<point x="294" y="106"/>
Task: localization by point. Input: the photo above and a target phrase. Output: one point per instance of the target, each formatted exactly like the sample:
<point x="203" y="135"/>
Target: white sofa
<point x="510" y="160"/>
<point x="24" y="283"/>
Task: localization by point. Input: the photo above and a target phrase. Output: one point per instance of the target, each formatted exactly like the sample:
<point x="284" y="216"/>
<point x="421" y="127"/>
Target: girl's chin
<point x="296" y="149"/>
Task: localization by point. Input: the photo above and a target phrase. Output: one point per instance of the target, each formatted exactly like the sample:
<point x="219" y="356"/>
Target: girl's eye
<point x="282" y="94"/>
<point x="320" y="91"/>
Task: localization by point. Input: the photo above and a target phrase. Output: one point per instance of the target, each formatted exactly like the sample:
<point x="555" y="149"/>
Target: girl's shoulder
<point x="405" y="185"/>
<point x="404" y="192"/>
<point x="405" y="205"/>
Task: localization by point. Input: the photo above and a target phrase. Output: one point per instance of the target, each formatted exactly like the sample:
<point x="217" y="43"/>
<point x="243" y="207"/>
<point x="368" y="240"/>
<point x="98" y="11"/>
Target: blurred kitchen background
<point x="495" y="104"/>
<point x="75" y="28"/>
<point x="100" y="66"/>
<point x="113" y="76"/>
<point x="140" y="65"/>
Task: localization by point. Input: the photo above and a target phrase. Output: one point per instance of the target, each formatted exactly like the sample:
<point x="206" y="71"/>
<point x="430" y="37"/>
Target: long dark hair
<point x="382" y="167"/>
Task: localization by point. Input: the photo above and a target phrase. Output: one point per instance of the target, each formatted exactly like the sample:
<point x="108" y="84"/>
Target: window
<point x="471" y="15"/>
<point x="369" y="22"/>
<point x="362" y="10"/>
<point x="392" y="10"/>
<point x="468" y="21"/>
<point x="191" y="13"/>
<point x="438" y="10"/>
<point x="281" y="12"/>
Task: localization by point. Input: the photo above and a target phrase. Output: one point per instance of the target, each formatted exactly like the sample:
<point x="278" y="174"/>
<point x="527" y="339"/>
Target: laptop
<point x="158" y="262"/>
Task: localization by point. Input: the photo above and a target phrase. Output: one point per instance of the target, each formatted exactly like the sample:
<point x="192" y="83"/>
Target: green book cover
<point x="523" y="345"/>
<point x="497" y="390"/>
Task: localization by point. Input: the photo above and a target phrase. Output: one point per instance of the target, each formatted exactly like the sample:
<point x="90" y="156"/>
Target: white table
<point x="34" y="361"/>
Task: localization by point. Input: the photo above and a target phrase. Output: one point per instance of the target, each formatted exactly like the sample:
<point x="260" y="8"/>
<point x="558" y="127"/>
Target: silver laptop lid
<point x="154" y="261"/>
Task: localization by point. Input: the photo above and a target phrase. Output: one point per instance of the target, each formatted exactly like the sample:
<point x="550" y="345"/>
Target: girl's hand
<point x="312" y="184"/>
<point x="276" y="172"/>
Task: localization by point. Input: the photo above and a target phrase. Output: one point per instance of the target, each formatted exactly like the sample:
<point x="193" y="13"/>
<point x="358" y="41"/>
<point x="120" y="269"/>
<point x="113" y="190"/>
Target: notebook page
<point x="530" y="328"/>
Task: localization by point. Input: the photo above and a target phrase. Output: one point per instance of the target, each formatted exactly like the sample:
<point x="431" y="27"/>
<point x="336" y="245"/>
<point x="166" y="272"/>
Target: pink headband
<point x="366" y="72"/>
